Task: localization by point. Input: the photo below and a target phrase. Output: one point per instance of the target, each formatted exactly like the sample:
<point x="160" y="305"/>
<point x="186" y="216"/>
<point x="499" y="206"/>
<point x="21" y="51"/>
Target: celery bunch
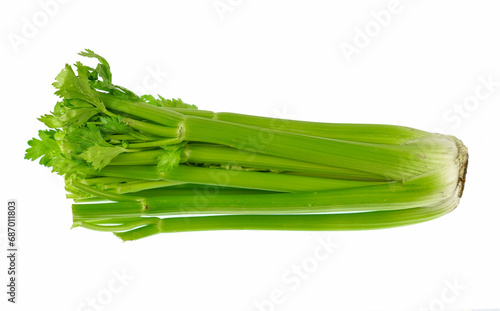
<point x="142" y="165"/>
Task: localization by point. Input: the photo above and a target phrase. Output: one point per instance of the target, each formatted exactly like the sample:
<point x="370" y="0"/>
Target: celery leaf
<point x="100" y="156"/>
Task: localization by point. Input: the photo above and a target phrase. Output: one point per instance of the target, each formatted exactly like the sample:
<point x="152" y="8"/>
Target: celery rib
<point x="311" y="222"/>
<point x="240" y="178"/>
<point x="368" y="133"/>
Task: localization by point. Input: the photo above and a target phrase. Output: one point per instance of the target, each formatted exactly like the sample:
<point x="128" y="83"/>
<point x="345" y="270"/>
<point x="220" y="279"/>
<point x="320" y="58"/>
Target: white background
<point x="419" y="65"/>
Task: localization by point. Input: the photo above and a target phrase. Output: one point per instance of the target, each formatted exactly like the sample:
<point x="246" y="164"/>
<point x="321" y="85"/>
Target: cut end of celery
<point x="76" y="224"/>
<point x="463" y="160"/>
<point x="117" y="234"/>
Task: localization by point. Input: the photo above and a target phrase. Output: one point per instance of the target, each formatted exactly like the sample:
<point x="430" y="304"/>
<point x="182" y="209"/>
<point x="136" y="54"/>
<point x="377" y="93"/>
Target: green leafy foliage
<point x="100" y="156"/>
<point x="71" y="86"/>
<point x="87" y="143"/>
<point x="168" y="103"/>
<point x="170" y="158"/>
<point x="45" y="148"/>
<point x="51" y="121"/>
<point x="115" y="125"/>
<point x="48" y="150"/>
<point x="84" y="136"/>
<point x="76" y="140"/>
<point x="102" y="69"/>
<point x="69" y="112"/>
<point x="68" y="165"/>
<point x="100" y="78"/>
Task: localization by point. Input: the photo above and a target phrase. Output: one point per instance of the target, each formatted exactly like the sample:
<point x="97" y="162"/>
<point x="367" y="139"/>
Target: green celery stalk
<point x="311" y="222"/>
<point x="424" y="190"/>
<point x="367" y="133"/>
<point x="239" y="178"/>
<point x="223" y="155"/>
